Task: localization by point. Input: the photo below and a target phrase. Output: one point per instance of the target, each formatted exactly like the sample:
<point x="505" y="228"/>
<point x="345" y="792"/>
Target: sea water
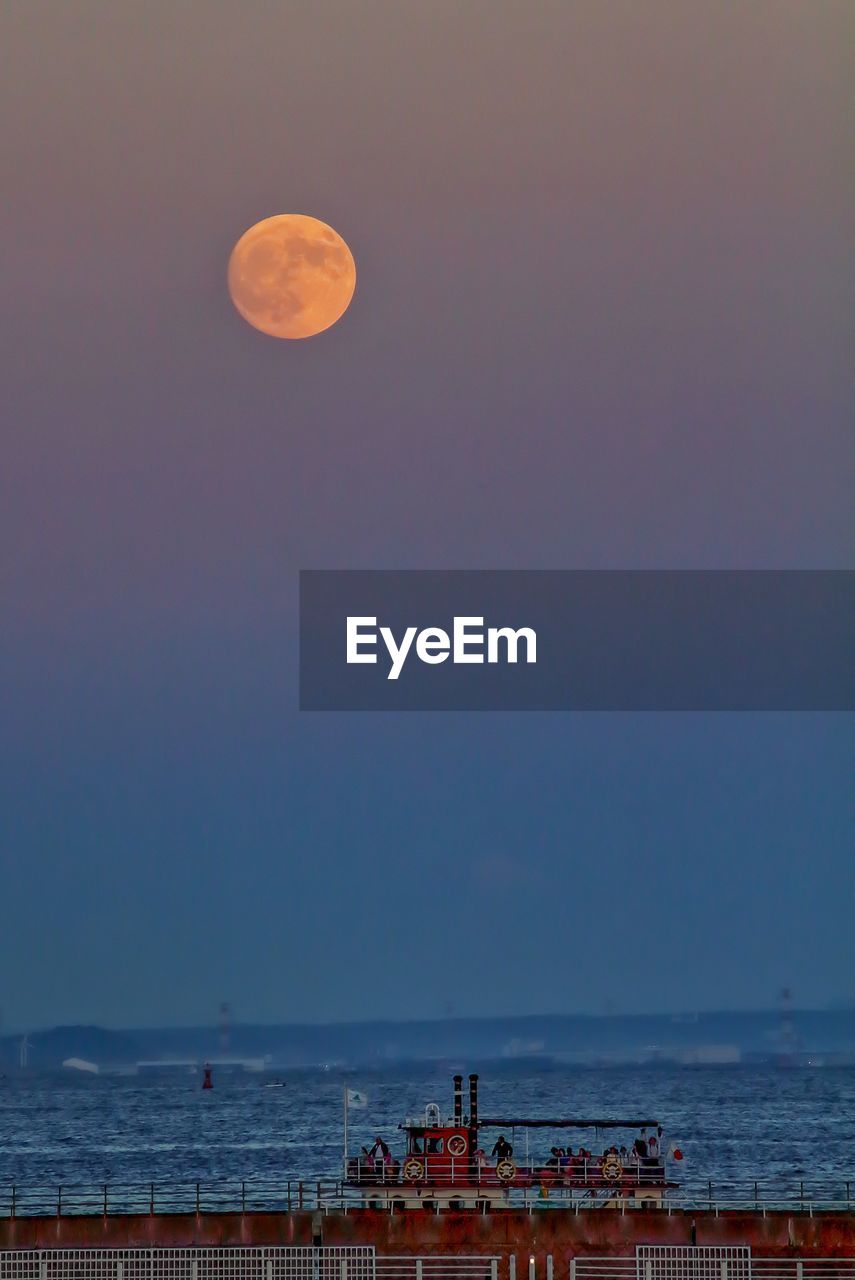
<point x="734" y="1125"/>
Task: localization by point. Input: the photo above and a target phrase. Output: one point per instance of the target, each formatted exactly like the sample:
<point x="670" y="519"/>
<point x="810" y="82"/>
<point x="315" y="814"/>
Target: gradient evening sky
<point x="603" y="318"/>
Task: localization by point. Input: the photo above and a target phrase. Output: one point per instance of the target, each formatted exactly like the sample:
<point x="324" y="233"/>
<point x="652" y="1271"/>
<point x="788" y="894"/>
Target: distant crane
<point x="24" y="1052"/>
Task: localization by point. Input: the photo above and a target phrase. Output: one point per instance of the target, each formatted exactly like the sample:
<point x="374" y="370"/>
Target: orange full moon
<point x="291" y="276"/>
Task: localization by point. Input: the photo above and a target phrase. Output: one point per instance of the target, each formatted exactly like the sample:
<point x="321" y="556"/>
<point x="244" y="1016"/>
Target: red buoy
<point x="207" y="1083"/>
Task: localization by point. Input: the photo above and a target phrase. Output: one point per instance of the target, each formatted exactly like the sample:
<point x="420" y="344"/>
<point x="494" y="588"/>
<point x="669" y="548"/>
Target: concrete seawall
<point x="561" y="1234"/>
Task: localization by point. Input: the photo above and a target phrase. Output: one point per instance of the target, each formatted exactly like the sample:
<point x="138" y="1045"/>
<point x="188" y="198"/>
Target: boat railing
<point x="417" y="1167"/>
<point x="332" y="1195"/>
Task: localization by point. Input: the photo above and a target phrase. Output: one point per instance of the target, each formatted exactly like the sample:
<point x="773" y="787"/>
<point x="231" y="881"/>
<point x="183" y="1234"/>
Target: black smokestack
<point x="458" y="1099"/>
<point x="473" y="1102"/>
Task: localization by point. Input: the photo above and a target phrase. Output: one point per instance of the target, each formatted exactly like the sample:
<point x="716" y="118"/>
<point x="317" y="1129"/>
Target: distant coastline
<point x="806" y="1037"/>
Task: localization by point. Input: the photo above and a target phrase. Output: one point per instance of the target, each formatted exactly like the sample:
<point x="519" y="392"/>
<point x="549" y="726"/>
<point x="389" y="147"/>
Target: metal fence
<point x="221" y="1196"/>
<point x="665" y="1262"/>
<point x="288" y="1195"/>
<point x="678" y="1262"/>
<point x="434" y="1267"/>
<point x="693" y="1262"/>
<point x="279" y="1263"/>
<point x="803" y="1268"/>
<point x="271" y="1263"/>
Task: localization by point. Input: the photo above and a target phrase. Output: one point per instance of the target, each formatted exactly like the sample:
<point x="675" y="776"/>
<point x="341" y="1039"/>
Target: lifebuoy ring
<point x="611" y="1167"/>
<point x="414" y="1170"/>
<point x="457" y="1145"/>
<point x="506" y="1170"/>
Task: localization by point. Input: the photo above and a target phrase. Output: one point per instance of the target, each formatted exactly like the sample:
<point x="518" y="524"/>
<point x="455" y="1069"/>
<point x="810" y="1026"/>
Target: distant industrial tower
<point x="788" y="1041"/>
<point x="225" y="1028"/>
<point x="24" y="1052"/>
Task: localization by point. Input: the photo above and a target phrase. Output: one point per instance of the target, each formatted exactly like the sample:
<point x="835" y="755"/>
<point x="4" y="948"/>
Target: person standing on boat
<point x="381" y="1156"/>
<point x="503" y="1149"/>
<point x="366" y="1166"/>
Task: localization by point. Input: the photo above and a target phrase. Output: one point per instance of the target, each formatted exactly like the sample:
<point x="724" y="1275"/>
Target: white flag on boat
<point x="356" y="1101"/>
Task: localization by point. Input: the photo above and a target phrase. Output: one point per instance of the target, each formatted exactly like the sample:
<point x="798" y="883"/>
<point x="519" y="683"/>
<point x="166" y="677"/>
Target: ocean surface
<point x="735" y="1125"/>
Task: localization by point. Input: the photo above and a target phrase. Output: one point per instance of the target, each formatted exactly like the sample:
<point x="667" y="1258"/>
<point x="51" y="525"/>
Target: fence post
<point x="120" y="1270"/>
<point x="343" y="1269"/>
<point x="494" y="1269"/>
<point x="572" y="1269"/>
<point x="549" y="1268"/>
<point x="512" y="1267"/>
<point x="419" y="1269"/>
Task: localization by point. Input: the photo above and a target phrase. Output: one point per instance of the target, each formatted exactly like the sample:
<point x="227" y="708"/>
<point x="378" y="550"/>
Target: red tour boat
<point x="452" y="1162"/>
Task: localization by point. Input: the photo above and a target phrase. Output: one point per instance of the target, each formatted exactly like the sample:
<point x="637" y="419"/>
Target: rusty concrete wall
<point x="562" y="1234"/>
